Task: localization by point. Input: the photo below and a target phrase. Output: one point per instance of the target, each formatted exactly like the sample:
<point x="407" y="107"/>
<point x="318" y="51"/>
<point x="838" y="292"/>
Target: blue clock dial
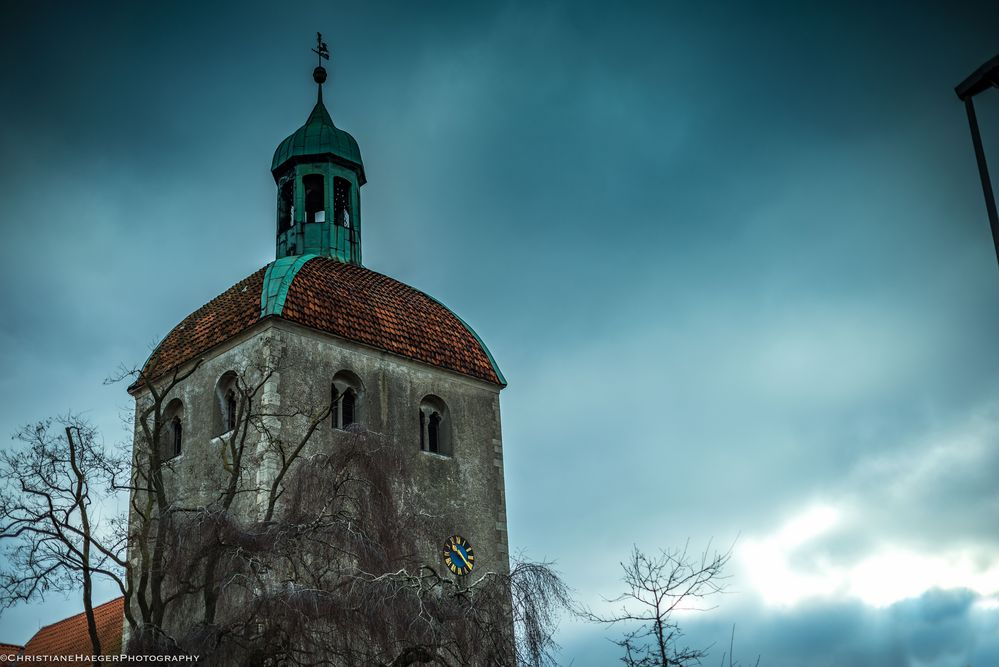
<point x="458" y="555"/>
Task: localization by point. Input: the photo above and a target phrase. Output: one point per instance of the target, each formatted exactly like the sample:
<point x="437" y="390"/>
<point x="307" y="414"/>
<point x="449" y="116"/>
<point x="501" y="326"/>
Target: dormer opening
<point x="341" y="202"/>
<point x="315" y="198"/>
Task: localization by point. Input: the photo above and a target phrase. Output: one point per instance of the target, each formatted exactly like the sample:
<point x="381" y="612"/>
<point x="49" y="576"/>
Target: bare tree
<point x="332" y="572"/>
<point x="657" y="588"/>
<point x="53" y="540"/>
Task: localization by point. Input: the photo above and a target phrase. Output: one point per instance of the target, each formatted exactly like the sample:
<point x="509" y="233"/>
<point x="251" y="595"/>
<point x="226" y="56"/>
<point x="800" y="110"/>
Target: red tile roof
<point x="10" y="649"/>
<point x="342" y="299"/>
<point x="70" y="636"/>
<point x="215" y="322"/>
<point x="370" y="308"/>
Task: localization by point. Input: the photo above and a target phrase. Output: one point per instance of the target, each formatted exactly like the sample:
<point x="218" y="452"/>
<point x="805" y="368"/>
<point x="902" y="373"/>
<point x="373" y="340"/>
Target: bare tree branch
<point x="656" y="587"/>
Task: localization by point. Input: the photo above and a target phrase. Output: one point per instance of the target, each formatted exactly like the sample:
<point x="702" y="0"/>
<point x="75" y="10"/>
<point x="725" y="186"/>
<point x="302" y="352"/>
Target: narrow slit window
<point x="347" y="408"/>
<point x="334" y="407"/>
<point x="423" y="432"/>
<point x="433" y="433"/>
<point x="230" y="410"/>
<point x="177" y="435"/>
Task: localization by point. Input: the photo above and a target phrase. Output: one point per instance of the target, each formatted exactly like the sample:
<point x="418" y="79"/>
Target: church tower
<point x="319" y="175"/>
<point x="388" y="359"/>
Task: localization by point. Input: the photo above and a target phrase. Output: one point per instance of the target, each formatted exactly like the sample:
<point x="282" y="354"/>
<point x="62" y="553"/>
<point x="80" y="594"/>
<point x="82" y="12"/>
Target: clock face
<point x="458" y="555"/>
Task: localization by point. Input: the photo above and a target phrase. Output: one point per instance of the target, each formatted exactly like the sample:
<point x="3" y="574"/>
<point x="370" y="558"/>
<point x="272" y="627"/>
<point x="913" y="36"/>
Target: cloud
<point x="899" y="526"/>
<point x="733" y="261"/>
<point x="940" y="628"/>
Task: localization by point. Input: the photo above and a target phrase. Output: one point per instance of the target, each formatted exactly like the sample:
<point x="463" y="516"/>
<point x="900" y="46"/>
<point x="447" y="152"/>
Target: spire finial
<point x="319" y="74"/>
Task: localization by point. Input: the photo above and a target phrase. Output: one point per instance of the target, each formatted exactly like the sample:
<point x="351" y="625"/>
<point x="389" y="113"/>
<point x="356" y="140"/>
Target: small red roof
<point x="345" y="300"/>
<point x="70" y="636"/>
<point x="10" y="649"/>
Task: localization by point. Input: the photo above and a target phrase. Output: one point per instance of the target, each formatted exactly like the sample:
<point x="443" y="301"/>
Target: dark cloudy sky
<point x="733" y="259"/>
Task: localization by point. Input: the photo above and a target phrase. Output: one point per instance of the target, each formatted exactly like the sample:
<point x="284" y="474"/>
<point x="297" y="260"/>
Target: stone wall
<point x="465" y="489"/>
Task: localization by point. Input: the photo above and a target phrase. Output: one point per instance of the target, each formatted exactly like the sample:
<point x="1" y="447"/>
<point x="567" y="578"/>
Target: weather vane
<point x="321" y="50"/>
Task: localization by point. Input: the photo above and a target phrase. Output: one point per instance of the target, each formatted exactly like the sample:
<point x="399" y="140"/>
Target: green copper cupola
<point x="319" y="175"/>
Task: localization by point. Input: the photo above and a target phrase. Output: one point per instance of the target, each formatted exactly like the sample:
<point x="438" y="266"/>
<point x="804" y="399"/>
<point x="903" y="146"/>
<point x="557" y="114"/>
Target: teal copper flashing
<point x="277" y="279"/>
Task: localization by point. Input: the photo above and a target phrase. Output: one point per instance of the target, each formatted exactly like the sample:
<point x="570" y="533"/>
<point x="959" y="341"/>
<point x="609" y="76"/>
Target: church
<point x="386" y="359"/>
<point x="310" y="355"/>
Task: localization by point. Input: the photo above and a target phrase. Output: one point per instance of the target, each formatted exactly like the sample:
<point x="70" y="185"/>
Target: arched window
<point x="315" y="198"/>
<point x="345" y="396"/>
<point x="435" y="427"/>
<point x="226" y="404"/>
<point x="171" y="433"/>
<point x="341" y="202"/>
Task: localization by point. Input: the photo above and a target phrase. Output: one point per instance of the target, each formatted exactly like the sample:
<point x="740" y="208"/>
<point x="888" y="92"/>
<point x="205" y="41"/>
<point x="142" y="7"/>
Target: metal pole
<point x="983" y="171"/>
